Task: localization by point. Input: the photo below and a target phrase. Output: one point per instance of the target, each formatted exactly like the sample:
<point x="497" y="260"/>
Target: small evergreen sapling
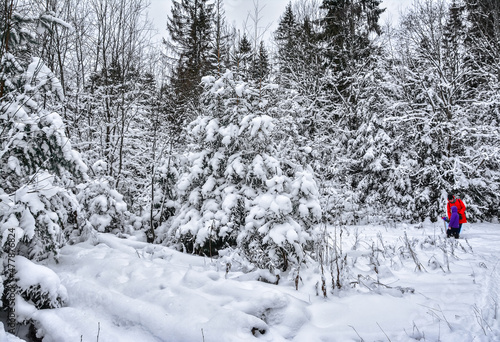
<point x="102" y="205"/>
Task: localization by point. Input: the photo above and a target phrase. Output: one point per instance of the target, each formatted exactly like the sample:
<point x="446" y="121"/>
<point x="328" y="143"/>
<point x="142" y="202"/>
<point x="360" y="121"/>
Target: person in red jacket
<point x="457" y="202"/>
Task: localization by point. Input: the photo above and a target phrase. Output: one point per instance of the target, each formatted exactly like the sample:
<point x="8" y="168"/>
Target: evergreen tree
<point x="190" y="27"/>
<point x="299" y="51"/>
<point x="365" y="148"/>
<point x="101" y="204"/>
<point x="285" y="36"/>
<point x="306" y="131"/>
<point x="39" y="170"/>
<point x="261" y="66"/>
<point x="301" y="68"/>
<point x="484" y="44"/>
<point x="456" y="55"/>
<point x="236" y="192"/>
<point x="34" y="144"/>
<point x="285" y="32"/>
<point x="244" y="57"/>
<point x="347" y="26"/>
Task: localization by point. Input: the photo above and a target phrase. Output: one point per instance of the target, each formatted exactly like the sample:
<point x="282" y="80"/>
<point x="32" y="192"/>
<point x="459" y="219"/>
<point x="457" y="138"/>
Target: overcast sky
<point x="237" y="11"/>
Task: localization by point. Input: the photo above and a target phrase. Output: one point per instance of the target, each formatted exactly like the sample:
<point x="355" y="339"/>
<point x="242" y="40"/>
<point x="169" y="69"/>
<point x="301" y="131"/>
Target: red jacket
<point x="460" y="209"/>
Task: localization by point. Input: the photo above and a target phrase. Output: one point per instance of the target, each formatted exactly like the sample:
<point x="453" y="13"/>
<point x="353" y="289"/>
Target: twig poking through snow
<point x="480" y="319"/>
<point x="433" y="313"/>
<point x="360" y="338"/>
<point x="384" y="332"/>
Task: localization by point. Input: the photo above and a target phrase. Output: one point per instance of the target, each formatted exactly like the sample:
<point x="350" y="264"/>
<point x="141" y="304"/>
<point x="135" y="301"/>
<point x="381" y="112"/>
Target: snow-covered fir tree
<point x="190" y="26"/>
<point x="101" y="204"/>
<point x="237" y="192"/>
<point x="38" y="162"/>
<point x="39" y="170"/>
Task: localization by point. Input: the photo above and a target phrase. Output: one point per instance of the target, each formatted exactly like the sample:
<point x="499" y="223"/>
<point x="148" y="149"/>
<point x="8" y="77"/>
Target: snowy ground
<point x="125" y="290"/>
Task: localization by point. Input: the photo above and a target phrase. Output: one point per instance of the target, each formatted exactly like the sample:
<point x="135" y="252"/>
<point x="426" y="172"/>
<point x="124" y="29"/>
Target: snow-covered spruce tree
<point x="236" y="191"/>
<point x="101" y="204"/>
<point x="327" y="67"/>
<point x="307" y="132"/>
<point x="190" y="26"/>
<point x="38" y="167"/>
<point x="347" y="26"/>
<point x="38" y="164"/>
<point x="368" y="149"/>
<point x="243" y="57"/>
<point x="347" y="35"/>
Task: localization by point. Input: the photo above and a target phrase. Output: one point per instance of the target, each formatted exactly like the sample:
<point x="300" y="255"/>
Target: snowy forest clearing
<point x="126" y="290"/>
<point x="217" y="146"/>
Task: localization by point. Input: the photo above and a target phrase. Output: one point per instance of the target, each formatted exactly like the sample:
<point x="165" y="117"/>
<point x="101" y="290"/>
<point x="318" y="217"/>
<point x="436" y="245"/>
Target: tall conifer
<point x="190" y="27"/>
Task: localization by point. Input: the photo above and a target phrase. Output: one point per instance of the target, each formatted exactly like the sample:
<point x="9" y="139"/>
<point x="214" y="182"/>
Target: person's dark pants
<point x="455" y="232"/>
<point x="460" y="228"/>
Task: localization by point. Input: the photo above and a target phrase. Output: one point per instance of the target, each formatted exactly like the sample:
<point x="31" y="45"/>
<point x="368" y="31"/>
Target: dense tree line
<point x="219" y="142"/>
